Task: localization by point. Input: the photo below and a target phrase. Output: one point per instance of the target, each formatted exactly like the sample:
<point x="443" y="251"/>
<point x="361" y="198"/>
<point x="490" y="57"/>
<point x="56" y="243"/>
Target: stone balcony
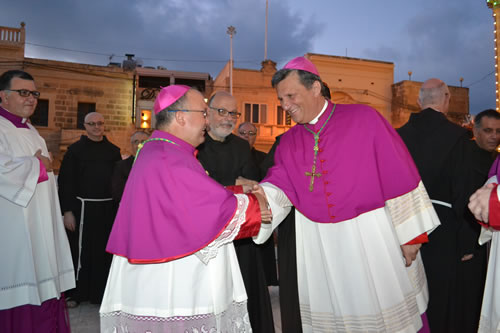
<point x="12" y="42"/>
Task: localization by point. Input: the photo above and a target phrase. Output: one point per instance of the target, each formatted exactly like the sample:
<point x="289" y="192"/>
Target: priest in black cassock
<point x="227" y="157"/>
<point x="123" y="167"/>
<point x="248" y="132"/>
<point x="85" y="195"/>
<point x="471" y="274"/>
<point x="439" y="149"/>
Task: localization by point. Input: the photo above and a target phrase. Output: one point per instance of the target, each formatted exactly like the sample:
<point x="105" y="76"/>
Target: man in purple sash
<point x="35" y="255"/>
<point x="174" y="267"/>
<point x="361" y="211"/>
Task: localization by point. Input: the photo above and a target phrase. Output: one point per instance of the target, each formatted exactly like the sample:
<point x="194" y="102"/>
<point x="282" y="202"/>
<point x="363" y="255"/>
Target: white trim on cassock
<point x="351" y="274"/>
<point x="201" y="291"/>
<point x="489" y="321"/>
<point x="35" y="255"/>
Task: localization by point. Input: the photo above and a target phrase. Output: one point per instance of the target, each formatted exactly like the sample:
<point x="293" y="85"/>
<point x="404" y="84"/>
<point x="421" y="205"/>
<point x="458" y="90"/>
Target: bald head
<point x="248" y="131"/>
<point x="221" y="94"/>
<point x="434" y="94"/>
<point x="221" y="123"/>
<point x="93" y="115"/>
<point x="94" y="125"/>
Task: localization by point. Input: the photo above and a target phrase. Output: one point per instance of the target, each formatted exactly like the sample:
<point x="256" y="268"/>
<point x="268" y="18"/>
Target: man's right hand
<point x="479" y="203"/>
<point x="243" y="181"/>
<point x="69" y="221"/>
<point x="265" y="211"/>
<point x="47" y="163"/>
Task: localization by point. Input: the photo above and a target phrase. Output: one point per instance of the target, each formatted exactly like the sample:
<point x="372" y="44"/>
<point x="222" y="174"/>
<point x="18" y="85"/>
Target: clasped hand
<point x="265" y="209"/>
<point x="479" y="203"/>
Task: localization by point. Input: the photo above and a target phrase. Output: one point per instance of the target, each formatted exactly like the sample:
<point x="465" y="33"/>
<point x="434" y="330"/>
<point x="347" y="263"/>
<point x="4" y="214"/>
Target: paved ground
<point x="85" y="318"/>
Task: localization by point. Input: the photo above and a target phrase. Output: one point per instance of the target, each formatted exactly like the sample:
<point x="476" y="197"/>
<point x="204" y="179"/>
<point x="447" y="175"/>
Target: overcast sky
<point x="432" y="38"/>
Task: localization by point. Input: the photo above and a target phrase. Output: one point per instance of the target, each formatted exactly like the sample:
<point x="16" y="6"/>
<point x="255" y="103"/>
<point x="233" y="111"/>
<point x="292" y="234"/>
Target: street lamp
<point x="231" y="31"/>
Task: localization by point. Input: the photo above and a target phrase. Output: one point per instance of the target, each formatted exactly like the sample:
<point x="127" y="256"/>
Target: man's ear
<point x="316" y="87"/>
<point x="419" y="103"/>
<point x="475" y="130"/>
<point x="180" y="118"/>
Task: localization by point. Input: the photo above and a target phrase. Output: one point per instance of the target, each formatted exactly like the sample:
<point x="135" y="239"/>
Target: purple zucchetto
<point x="168" y="96"/>
<point x="302" y="63"/>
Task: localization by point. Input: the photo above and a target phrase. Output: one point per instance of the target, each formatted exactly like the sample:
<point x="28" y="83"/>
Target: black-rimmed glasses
<point x="223" y="112"/>
<point x="204" y="111"/>
<point x="249" y="133"/>
<point x="26" y="92"/>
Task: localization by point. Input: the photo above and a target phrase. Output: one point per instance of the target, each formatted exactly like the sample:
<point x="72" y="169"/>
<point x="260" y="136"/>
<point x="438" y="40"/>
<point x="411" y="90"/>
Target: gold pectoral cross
<point x="312" y="174"/>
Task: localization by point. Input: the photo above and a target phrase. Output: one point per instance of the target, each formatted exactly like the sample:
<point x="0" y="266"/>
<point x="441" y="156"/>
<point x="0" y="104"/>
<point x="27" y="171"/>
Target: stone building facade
<point x="351" y="81"/>
<point x="123" y="93"/>
<point x="404" y="103"/>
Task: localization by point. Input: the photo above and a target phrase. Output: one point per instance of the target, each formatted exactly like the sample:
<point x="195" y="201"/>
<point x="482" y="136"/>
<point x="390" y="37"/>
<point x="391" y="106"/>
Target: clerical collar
<point x="315" y="120"/>
<point x="17" y="121"/>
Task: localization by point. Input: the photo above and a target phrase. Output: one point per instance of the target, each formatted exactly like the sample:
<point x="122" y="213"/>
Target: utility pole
<point x="265" y="36"/>
<point x="231" y="31"/>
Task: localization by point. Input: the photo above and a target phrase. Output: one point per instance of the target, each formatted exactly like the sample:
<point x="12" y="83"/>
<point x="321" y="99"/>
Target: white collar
<point x="315" y="120"/>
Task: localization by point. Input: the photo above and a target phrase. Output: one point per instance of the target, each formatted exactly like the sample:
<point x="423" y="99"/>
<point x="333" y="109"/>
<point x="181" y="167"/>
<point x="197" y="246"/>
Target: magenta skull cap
<point x="169" y="95"/>
<point x="302" y="63"/>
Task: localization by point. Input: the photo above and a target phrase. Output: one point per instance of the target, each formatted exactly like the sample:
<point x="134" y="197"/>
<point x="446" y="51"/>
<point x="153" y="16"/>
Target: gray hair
<point x="217" y="94"/>
<point x="433" y="96"/>
<point x="165" y="116"/>
<point x="247" y="122"/>
<point x="136" y="133"/>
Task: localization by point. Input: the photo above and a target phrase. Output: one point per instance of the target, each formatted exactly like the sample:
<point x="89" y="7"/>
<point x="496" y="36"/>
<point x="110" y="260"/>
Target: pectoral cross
<point x="312" y="174"/>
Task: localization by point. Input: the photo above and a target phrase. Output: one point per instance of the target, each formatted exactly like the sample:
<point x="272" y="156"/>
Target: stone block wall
<point x="404" y="102"/>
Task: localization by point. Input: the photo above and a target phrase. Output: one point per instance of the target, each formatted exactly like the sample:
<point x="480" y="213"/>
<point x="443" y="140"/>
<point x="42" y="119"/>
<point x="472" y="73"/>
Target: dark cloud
<point x="192" y="34"/>
<point x="447" y="41"/>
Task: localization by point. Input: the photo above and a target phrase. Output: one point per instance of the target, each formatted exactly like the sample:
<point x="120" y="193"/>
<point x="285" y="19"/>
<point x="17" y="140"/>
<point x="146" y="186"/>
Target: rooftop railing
<point x="10" y="35"/>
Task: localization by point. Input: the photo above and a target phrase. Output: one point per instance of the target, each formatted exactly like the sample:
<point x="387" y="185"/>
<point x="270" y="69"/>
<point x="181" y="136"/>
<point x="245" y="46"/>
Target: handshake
<point x="251" y="186"/>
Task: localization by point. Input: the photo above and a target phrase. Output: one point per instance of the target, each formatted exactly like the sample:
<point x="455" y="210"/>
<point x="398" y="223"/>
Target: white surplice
<point x="36" y="260"/>
<point x="202" y="292"/>
<point x="351" y="275"/>
<point x="490" y="310"/>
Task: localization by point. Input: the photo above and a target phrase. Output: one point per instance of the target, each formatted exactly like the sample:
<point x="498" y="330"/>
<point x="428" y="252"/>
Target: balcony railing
<point x="12" y="36"/>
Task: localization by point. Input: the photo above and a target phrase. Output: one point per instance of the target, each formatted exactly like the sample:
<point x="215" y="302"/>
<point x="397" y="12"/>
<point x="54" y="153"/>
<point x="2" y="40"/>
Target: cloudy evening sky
<point x="432" y="38"/>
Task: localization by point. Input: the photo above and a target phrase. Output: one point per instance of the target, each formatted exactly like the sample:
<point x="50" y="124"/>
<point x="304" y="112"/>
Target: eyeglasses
<point x="26" y="92"/>
<point x="223" y="112"/>
<point x="203" y="111"/>
<point x="98" y="123"/>
<point x="249" y="133"/>
<point x="136" y="142"/>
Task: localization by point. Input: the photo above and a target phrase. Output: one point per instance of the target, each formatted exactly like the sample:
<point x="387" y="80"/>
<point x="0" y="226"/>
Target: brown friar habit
<point x="86" y="172"/>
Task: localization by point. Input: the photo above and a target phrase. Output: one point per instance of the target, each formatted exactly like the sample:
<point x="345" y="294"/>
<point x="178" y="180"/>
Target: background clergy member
<point x="35" y="257"/>
<point x="175" y="267"/>
<point x="85" y="193"/>
<point x="228" y="160"/>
